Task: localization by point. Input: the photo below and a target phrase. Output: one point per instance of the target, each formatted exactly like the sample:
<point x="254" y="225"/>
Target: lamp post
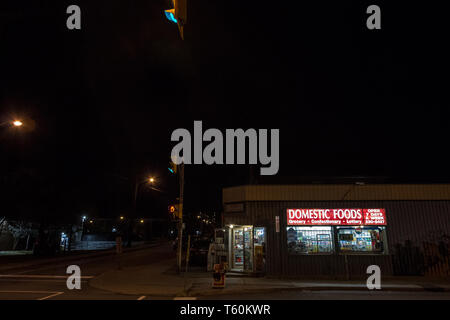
<point x="83" y="219"/>
<point x="137" y="184"/>
<point x="174" y="168"/>
<point x="180" y="225"/>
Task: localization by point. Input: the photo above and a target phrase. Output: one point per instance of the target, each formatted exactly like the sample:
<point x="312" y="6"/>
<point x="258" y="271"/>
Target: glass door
<point x="238" y="248"/>
<point x="242" y="254"/>
<point x="248" y="249"/>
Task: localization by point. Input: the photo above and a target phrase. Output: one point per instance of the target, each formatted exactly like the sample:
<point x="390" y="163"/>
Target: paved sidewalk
<point x="160" y="279"/>
<point x="153" y="280"/>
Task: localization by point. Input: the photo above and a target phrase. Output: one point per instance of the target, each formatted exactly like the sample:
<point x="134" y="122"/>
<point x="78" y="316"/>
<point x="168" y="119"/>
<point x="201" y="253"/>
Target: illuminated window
<point x="361" y="239"/>
<point x="310" y="240"/>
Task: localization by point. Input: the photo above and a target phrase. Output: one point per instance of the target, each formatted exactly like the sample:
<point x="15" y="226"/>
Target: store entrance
<point x="242" y="248"/>
<point x="247" y="248"/>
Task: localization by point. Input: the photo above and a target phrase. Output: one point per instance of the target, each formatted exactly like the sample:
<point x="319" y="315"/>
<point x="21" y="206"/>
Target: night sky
<point x="100" y="103"/>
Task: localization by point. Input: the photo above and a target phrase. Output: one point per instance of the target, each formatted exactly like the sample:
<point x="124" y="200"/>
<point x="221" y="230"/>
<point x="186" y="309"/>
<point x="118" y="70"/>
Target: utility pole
<point x="133" y="212"/>
<point x="180" y="223"/>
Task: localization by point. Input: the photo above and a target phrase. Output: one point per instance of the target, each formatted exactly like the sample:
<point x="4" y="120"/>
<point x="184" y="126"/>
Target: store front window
<point x="361" y="239"/>
<point x="351" y="230"/>
<point x="310" y="240"/>
<point x="259" y="243"/>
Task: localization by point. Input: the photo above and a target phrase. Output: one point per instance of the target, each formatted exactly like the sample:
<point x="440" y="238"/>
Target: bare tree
<point x="19" y="230"/>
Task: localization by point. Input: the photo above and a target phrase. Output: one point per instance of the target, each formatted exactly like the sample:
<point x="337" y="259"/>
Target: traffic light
<point x="176" y="211"/>
<point x="178" y="14"/>
<point x="170" y="15"/>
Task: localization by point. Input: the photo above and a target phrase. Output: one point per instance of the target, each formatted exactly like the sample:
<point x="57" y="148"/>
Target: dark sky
<point x="100" y="103"/>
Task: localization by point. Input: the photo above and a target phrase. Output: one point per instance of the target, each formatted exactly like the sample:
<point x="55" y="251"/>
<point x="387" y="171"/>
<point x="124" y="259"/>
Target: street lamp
<point x="137" y="184"/>
<point x="83" y="219"/>
<point x="14" y="123"/>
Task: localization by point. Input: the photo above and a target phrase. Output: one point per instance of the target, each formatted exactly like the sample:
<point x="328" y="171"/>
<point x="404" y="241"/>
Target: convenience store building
<point x="338" y="230"/>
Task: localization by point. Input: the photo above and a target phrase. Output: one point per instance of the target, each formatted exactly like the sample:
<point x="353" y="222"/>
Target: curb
<point x="216" y="292"/>
<point x="213" y="292"/>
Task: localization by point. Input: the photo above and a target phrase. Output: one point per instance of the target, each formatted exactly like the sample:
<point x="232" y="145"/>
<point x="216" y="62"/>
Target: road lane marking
<point x="142" y="298"/>
<point x="185" y="298"/>
<point x="39" y="276"/>
<point x="51" y="296"/>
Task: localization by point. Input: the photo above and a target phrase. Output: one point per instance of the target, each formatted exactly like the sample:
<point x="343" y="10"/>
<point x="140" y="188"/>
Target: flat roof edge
<point x="336" y="192"/>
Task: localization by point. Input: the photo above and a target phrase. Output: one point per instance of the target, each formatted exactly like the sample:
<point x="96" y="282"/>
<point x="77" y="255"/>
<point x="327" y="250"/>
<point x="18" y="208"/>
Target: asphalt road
<point x="49" y="282"/>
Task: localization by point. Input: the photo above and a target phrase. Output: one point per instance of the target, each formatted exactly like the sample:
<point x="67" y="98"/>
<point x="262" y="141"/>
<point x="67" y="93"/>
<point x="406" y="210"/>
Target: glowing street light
<point x="151" y="180"/>
<point x="17" y="123"/>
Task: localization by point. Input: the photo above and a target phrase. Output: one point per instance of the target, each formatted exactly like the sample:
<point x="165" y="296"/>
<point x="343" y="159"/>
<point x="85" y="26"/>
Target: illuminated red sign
<point x="346" y="217"/>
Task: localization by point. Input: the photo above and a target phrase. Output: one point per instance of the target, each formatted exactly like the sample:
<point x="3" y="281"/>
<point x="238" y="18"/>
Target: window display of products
<point x="238" y="248"/>
<point x="360" y="239"/>
<point x="324" y="243"/>
<point x="248" y="249"/>
<point x="259" y="242"/>
<point x="320" y="239"/>
<point x="259" y="236"/>
<point x="310" y="240"/>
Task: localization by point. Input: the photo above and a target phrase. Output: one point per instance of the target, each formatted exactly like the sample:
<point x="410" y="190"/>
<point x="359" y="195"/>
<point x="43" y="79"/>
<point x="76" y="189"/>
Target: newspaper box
<point x="219" y="276"/>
